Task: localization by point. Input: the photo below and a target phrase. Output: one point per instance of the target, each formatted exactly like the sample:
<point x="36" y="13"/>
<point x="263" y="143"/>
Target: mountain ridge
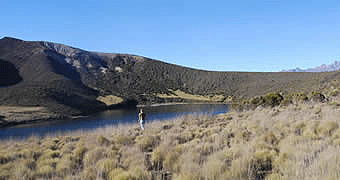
<point x="335" y="66"/>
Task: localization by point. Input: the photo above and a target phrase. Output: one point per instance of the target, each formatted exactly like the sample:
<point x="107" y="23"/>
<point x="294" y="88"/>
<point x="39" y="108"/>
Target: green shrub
<point x="273" y="99"/>
<point x="258" y="100"/>
<point x="287" y="100"/>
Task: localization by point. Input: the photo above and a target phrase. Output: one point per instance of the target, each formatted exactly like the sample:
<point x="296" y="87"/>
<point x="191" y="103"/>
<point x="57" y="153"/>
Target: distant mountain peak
<point x="335" y="66"/>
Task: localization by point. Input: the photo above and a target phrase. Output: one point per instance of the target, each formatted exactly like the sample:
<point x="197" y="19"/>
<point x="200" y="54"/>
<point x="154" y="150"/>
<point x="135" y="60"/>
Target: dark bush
<point x="257" y="100"/>
<point x="273" y="99"/>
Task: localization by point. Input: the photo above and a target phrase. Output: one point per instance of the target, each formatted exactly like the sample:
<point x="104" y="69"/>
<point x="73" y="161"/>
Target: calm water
<point x="111" y="117"/>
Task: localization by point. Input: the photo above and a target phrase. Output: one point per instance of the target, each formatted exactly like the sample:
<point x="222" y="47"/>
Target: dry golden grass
<point x="110" y="99"/>
<point x="180" y="94"/>
<point x="300" y="141"/>
<point x="24" y="113"/>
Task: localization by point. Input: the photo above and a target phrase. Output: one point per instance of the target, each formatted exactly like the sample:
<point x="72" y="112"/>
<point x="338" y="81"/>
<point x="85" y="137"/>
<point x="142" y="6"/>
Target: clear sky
<point x="229" y="35"/>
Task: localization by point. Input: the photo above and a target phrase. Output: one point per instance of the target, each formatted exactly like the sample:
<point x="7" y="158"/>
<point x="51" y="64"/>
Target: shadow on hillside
<point x="9" y="74"/>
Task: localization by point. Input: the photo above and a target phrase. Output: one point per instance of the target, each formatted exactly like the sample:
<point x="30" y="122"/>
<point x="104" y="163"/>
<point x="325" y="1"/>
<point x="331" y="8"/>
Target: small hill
<point x="71" y="81"/>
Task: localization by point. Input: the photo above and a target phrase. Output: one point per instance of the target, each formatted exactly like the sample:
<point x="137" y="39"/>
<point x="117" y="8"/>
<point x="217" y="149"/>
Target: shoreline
<point x="178" y="103"/>
<point x="13" y="115"/>
<point x="25" y="115"/>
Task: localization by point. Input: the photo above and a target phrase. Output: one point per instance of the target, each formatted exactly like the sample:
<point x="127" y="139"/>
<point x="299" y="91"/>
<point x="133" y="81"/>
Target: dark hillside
<point x="146" y="76"/>
<point x="68" y="80"/>
<point x="42" y="81"/>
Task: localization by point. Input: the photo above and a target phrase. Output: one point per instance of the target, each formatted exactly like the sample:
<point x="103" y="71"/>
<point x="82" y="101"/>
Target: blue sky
<point x="211" y="35"/>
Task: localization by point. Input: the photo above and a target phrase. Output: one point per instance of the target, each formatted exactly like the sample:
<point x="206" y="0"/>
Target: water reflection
<point x="111" y="117"/>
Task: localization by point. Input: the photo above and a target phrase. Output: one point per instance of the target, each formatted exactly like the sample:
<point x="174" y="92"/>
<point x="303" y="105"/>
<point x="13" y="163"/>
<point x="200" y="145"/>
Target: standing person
<point x="142" y="118"/>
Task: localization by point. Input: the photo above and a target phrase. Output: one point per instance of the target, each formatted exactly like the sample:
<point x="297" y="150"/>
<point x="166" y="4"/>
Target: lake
<point x="111" y="117"/>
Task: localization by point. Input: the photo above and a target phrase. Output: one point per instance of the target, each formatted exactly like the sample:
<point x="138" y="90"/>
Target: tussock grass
<point x="295" y="141"/>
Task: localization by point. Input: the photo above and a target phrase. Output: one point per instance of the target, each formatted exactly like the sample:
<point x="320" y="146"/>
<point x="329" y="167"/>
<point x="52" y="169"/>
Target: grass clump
<point x="104" y="166"/>
<point x="101" y="140"/>
<point x="146" y="143"/>
<point x="119" y="174"/>
<point x="326" y="128"/>
<point x="215" y="166"/>
<point x="66" y="165"/>
<point x="46" y="171"/>
<point x="124" y="140"/>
